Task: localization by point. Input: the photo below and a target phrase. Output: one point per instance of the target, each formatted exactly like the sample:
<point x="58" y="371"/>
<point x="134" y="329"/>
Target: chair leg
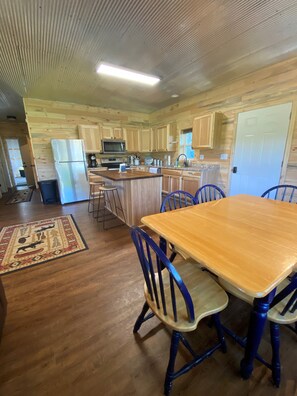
<point x="170" y="369"/>
<point x="275" y="343"/>
<point x="216" y="321"/>
<point x="140" y="318"/>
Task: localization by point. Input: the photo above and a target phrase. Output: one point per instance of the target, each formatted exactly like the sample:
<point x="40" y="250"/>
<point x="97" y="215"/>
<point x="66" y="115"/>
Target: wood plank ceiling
<point x="50" y="49"/>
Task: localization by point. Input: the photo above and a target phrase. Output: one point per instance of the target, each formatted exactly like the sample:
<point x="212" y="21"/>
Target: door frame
<point x="289" y="138"/>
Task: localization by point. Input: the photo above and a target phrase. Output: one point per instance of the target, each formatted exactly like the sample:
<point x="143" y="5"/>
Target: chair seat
<point x="208" y="297"/>
<point x="274" y="313"/>
<point x="107" y="188"/>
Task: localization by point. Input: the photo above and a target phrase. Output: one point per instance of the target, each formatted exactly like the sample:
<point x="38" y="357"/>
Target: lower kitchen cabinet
<point x="190" y="184"/>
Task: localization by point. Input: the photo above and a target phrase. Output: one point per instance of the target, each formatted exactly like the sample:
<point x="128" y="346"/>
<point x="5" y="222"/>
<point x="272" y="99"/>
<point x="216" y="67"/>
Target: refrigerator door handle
<point x="86" y="170"/>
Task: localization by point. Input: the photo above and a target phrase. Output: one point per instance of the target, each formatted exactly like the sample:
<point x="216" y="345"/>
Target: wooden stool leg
<point x="90" y="197"/>
<point x="275" y="342"/>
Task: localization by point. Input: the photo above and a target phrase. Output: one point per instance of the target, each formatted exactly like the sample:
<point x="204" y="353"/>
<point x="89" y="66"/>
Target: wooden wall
<point x="269" y="86"/>
<point x="50" y="119"/>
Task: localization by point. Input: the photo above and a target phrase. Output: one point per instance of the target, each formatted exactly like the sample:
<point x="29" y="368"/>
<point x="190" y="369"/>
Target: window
<point x="185" y="144"/>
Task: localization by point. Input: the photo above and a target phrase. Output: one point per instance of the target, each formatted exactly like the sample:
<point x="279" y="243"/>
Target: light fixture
<point x="174" y="95"/>
<point x="127" y="74"/>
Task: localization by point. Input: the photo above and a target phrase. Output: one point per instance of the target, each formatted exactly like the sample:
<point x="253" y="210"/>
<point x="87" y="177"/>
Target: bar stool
<point x="111" y="205"/>
<point x="94" y="182"/>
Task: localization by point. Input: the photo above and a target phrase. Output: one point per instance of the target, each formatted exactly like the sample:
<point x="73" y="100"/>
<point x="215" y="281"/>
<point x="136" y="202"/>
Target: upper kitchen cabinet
<point x="145" y="140"/>
<point x="164" y="138"/>
<point x="206" y="131"/>
<point x="112" y="132"/>
<point x="91" y="136"/>
<point x="131" y="135"/>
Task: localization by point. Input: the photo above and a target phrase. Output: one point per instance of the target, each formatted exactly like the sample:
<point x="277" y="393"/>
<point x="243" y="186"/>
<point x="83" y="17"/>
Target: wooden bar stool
<point x="112" y="205"/>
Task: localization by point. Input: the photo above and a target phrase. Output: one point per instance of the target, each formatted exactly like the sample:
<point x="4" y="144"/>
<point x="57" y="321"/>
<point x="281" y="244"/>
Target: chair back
<point x="162" y="280"/>
<point x="283" y="192"/>
<point x="209" y="192"/>
<point x="289" y="290"/>
<point x="176" y="200"/>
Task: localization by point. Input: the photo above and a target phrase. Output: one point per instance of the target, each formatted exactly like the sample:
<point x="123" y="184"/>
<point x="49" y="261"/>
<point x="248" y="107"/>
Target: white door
<point x="259" y="150"/>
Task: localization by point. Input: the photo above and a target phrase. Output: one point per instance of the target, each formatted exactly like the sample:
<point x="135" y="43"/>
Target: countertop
<point x="128" y="175"/>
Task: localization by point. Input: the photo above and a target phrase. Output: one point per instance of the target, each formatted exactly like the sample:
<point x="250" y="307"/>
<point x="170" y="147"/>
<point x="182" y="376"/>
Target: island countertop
<point x="128" y="175"/>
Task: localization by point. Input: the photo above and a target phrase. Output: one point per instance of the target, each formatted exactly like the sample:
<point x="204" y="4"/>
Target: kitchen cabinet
<point x="111" y="132"/>
<point x="206" y="131"/>
<point x="131" y="135"/>
<point x="145" y="140"/>
<point x="171" y="180"/>
<point x="164" y="138"/>
<point x="190" y="181"/>
<point x="174" y="180"/>
<point x="91" y="136"/>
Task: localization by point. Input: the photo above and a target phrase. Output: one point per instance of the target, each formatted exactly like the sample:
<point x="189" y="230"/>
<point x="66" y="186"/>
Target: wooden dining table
<point x="249" y="241"/>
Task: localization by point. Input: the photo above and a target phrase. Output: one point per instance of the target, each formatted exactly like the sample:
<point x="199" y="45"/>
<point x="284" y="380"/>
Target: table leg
<point x="163" y="245"/>
<point x="255" y="331"/>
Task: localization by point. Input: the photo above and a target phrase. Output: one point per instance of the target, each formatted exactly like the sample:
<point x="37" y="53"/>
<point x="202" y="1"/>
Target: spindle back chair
<point x="282" y="192"/>
<point x="180" y="297"/>
<point x="209" y="192"/>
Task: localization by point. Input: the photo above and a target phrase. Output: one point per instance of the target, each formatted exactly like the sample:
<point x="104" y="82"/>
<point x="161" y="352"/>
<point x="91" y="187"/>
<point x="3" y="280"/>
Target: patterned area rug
<point x="23" y="245"/>
<point x="20" y="196"/>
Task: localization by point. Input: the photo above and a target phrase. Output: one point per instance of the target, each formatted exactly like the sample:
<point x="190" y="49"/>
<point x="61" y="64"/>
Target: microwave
<point x="113" y="146"/>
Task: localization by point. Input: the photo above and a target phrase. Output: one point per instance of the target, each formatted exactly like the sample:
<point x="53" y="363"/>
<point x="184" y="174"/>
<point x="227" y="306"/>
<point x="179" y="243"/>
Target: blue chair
<point x="283" y="192"/>
<point x="175" y="200"/>
<point x="209" y="192"/>
<point x="283" y="310"/>
<point x="180" y="297"/>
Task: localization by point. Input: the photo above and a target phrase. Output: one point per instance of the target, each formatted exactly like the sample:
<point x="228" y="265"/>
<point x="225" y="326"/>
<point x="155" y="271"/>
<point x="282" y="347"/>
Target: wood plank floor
<point x="69" y="326"/>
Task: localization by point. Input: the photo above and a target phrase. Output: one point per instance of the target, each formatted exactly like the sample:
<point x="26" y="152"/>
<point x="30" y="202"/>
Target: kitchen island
<point x="140" y="192"/>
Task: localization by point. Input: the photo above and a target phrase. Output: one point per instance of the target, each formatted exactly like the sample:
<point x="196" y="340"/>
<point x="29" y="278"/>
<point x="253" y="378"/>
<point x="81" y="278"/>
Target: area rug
<point x="20" y="196"/>
<point x="23" y="245"/>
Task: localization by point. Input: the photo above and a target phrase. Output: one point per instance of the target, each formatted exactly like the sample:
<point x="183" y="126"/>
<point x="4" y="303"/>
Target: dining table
<point x="249" y="241"/>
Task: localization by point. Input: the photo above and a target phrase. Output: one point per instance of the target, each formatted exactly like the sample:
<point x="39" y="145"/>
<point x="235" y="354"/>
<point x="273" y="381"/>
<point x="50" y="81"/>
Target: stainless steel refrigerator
<point x="71" y="169"/>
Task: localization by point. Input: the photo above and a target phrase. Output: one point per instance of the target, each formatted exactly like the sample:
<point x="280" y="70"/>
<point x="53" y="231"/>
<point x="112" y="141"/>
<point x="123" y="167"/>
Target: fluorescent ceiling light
<point x="127" y="74"/>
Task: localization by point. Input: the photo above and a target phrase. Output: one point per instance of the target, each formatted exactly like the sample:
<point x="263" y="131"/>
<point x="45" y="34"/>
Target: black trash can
<point x="49" y="191"/>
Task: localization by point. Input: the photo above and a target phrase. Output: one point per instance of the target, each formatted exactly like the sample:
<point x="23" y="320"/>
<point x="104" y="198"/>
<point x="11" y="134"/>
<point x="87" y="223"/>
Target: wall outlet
<point x="224" y="156"/>
<point x="201" y="157"/>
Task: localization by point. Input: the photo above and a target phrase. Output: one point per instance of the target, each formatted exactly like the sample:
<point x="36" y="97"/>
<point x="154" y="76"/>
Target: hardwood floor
<point x="69" y="326"/>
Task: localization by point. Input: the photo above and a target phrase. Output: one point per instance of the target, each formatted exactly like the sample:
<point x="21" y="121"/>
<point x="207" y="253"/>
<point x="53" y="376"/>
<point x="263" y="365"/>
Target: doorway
<point x="16" y="162"/>
<point x="261" y="138"/>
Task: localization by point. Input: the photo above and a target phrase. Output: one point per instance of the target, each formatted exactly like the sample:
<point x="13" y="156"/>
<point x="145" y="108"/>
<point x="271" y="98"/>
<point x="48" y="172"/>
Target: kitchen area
<point x="143" y="163"/>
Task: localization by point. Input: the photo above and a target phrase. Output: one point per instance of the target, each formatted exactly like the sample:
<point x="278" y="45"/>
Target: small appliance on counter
<point x="92" y="162"/>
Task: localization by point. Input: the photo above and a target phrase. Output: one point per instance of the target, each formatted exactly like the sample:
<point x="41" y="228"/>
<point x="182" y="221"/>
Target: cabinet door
<point x="145" y="137"/>
<point x="91" y="136"/>
<point x="162" y="138"/>
<point x="206" y="131"/>
<point x="107" y="132"/>
<point x="165" y="184"/>
<point x="174" y="183"/>
<point x="190" y="184"/>
<point x="118" y="133"/>
<point x="132" y="140"/>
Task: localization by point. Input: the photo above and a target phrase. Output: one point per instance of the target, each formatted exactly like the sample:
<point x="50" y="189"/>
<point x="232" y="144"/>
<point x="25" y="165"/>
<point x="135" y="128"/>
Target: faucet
<point x="185" y="161"/>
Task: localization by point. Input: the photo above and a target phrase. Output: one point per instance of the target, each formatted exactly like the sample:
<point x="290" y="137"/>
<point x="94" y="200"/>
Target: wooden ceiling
<point x="49" y="49"/>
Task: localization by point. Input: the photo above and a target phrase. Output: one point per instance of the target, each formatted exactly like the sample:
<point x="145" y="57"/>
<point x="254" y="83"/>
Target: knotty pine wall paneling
<point x="58" y="120"/>
<point x="267" y="87"/>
